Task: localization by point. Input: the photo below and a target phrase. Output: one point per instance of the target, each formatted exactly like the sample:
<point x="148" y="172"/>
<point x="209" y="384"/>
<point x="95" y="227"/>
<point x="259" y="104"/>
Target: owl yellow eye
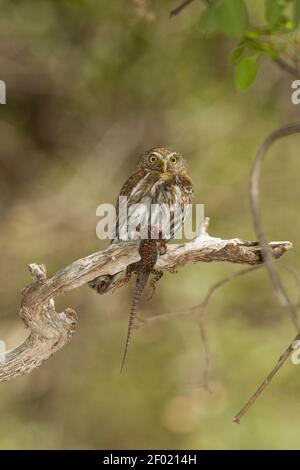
<point x="174" y="160"/>
<point x="153" y="159"/>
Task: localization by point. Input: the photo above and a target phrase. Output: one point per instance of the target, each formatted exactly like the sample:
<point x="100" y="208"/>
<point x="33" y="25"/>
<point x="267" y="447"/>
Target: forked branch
<point x="50" y="330"/>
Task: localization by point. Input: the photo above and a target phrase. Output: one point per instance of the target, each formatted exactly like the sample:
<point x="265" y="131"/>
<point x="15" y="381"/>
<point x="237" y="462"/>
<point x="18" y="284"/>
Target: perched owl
<point x="161" y="181"/>
<point x="160" y="184"/>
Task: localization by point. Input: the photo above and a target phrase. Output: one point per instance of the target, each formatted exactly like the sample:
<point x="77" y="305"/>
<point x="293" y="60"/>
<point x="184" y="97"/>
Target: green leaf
<point x="252" y="34"/>
<point x="232" y="17"/>
<point x="245" y="72"/>
<point x="272" y="12"/>
<point x="237" y="54"/>
<point x="297" y="11"/>
<point x="272" y="52"/>
<point x="208" y="19"/>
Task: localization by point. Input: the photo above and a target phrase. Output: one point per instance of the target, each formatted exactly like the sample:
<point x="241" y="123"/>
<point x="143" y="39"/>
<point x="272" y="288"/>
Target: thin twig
<point x="266" y="382"/>
<point x="287" y="67"/>
<point x="202" y="308"/>
<point x="207" y="356"/>
<point x="280" y="291"/>
<point x="180" y="7"/>
<point x="204" y="303"/>
<point x="295" y="275"/>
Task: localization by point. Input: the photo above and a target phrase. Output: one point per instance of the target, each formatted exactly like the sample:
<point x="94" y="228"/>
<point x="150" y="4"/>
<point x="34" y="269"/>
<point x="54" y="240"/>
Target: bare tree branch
<point x="49" y="330"/>
<point x="266" y="382"/>
<point x="183" y="5"/>
<point x="279" y="289"/>
<point x="202" y="305"/>
<point x="201" y="310"/>
<point x="180" y="7"/>
<point x="287" y="67"/>
<point x="295" y="275"/>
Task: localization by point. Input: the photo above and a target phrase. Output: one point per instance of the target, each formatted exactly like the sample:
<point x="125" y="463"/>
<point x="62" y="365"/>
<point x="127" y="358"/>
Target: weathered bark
<point x="50" y="330"/>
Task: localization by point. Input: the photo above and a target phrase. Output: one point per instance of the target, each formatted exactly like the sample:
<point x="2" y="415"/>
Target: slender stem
<point x="266" y="382"/>
<point x="287" y="67"/>
<point x="280" y="291"/>
<point x="180" y="7"/>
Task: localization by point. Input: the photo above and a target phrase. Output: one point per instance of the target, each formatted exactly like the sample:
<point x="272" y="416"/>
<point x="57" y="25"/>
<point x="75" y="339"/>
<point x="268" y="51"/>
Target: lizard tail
<point x="140" y="284"/>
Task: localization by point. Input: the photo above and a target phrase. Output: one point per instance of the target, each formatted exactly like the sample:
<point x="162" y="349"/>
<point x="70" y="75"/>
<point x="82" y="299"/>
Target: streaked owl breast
<point x="165" y="191"/>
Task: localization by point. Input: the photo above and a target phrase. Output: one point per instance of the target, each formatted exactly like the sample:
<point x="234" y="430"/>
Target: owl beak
<point x="165" y="164"/>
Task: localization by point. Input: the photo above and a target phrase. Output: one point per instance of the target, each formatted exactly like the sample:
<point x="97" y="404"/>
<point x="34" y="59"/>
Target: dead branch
<point x="183" y="5"/>
<point x="201" y="311"/>
<point x="268" y="379"/>
<point x="287" y="67"/>
<point x="180" y="7"/>
<point x="202" y="306"/>
<point x="279" y="289"/>
<point x="50" y="330"/>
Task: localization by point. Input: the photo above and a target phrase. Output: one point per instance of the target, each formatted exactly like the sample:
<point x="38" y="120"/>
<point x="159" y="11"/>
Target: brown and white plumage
<point x="160" y="182"/>
<point x="161" y="179"/>
<point x="165" y="181"/>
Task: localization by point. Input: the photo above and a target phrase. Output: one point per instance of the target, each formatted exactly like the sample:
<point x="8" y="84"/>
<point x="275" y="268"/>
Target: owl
<point x="161" y="181"/>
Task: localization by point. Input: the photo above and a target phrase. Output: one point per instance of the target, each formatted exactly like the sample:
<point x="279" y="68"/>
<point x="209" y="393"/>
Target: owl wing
<point x="185" y="187"/>
<point x="138" y="189"/>
<point x="176" y="193"/>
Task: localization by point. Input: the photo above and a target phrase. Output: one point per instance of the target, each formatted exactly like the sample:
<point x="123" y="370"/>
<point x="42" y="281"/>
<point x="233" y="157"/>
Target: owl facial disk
<point x="164" y="160"/>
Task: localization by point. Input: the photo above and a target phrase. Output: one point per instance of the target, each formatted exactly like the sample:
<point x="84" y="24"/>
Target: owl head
<point x="163" y="159"/>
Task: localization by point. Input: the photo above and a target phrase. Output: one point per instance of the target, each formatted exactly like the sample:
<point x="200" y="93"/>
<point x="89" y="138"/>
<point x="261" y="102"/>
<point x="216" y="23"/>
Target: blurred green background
<point x="90" y="85"/>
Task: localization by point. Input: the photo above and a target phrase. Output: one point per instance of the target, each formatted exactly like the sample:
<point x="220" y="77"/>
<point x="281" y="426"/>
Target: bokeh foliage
<point x="255" y="37"/>
<point x="90" y="85"/>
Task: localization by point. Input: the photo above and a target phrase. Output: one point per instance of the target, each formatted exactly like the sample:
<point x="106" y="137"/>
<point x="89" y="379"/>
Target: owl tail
<point x="141" y="281"/>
